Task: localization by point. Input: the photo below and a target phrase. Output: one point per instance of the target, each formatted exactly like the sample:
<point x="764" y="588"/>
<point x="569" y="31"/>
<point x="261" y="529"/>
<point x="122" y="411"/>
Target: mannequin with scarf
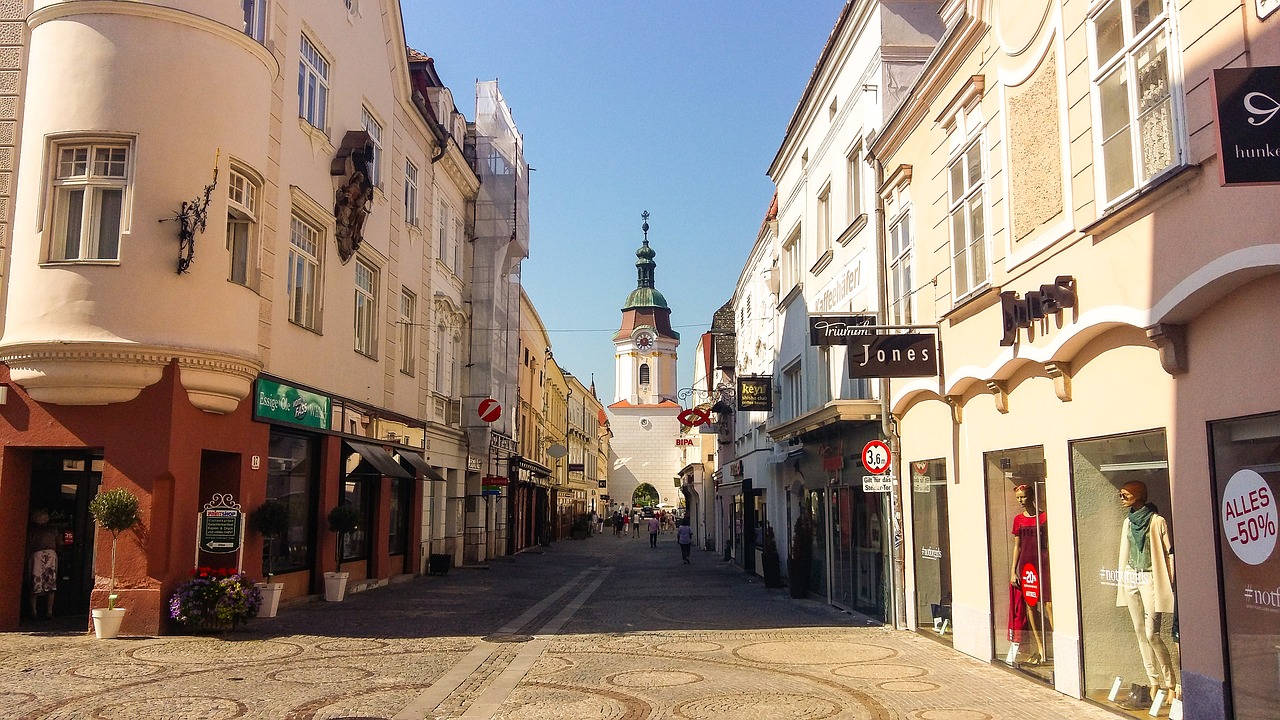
<point x="1146" y="585"/>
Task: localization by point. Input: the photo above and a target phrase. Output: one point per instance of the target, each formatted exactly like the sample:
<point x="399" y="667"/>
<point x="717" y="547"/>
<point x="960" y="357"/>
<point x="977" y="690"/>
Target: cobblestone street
<point x="602" y="628"/>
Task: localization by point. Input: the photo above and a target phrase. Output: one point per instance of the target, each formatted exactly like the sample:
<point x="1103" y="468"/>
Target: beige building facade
<point x="1054" y="213"/>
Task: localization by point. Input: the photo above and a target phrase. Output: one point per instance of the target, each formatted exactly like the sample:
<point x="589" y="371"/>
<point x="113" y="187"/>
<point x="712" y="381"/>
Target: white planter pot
<point x="106" y="622"/>
<point x="270" y="598"/>
<point x="335" y="586"/>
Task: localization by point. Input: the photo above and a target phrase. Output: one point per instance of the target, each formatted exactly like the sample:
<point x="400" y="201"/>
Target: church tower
<point x="645" y="452"/>
<point x="645" y="345"/>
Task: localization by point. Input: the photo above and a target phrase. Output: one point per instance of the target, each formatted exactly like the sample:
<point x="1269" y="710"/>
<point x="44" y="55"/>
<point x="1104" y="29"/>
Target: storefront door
<point x="842" y="562"/>
<point x="932" y="542"/>
<point x="62" y="484"/>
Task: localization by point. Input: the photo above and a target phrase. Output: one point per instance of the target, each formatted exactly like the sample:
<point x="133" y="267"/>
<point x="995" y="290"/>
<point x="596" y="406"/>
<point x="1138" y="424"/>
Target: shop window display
<point x="1129" y="628"/>
<point x="929" y="517"/>
<point x="1020" y="596"/>
<point x="291" y="480"/>
<point x="1246" y="477"/>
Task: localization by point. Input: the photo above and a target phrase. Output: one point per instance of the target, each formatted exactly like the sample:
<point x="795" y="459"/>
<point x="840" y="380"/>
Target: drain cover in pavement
<point x="507" y="638"/>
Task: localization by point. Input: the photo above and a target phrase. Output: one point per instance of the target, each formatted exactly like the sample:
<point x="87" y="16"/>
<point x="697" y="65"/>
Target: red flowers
<point x="214" y="573"/>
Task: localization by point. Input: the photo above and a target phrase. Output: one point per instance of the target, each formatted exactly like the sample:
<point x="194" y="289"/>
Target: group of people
<point x="657" y="522"/>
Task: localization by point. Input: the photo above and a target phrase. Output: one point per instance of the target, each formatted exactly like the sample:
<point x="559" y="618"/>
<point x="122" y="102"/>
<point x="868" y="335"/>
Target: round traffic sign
<point x="875" y="457"/>
<point x="489" y="410"/>
<point x="693" y="417"/>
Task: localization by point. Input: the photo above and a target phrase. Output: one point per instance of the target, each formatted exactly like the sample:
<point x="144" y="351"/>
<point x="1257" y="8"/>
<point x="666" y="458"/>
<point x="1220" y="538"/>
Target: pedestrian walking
<point x="684" y="536"/>
<point x="653" y="531"/>
<point x="635" y="523"/>
<point x="626" y="523"/>
<point x="617" y="524"/>
<point x="599" y="523"/>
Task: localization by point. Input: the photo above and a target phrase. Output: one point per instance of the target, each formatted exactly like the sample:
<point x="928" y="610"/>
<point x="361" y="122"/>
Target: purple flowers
<point x="215" y="598"/>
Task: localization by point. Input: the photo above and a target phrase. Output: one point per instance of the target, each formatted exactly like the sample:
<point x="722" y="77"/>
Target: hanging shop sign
<point x="755" y="393"/>
<point x="1020" y="312"/>
<point x="1247" y="102"/>
<point x="577" y="467"/>
<point x="693" y="417"/>
<point x="489" y="410"/>
<point x="502" y="443"/>
<point x="894" y="356"/>
<point x="221" y="526"/>
<point x="840" y="329"/>
<point x="284" y="403"/>
<point x="602" y="484"/>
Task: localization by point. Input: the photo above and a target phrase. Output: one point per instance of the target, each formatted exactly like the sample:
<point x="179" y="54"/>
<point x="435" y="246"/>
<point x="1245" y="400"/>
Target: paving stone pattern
<point x="600" y="628"/>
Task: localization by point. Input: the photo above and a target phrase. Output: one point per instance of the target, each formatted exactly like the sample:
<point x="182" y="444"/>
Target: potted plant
<point x="270" y="520"/>
<point x="772" y="567"/>
<point x="115" y="511"/>
<point x="215" y="599"/>
<point x="343" y="520"/>
<point x="801" y="556"/>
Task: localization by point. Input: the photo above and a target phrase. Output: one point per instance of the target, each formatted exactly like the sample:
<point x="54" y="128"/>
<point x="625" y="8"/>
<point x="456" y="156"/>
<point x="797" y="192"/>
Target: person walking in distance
<point x="636" y="517"/>
<point x="653" y="531"/>
<point x="684" y="536"/>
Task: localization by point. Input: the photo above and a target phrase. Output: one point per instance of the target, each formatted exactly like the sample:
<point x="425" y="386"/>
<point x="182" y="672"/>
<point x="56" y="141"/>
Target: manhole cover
<point x="507" y="638"/>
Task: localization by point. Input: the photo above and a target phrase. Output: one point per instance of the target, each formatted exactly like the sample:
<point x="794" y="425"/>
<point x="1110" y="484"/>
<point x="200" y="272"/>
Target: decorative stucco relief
<point x="1035" y="151"/>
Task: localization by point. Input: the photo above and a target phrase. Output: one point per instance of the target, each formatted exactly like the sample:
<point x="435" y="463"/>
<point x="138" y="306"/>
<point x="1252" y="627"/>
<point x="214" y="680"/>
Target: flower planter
<point x="335" y="586"/>
<point x="106" y="622"/>
<point x="270" y="598"/>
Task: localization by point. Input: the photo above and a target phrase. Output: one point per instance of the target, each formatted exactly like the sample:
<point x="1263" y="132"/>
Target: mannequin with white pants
<point x="1146" y="586"/>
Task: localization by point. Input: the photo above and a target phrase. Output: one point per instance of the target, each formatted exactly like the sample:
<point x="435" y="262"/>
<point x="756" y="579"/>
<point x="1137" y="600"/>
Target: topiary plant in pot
<point x="800" y="557"/>
<point x="270" y="520"/>
<point x="343" y="519"/>
<point x="115" y="511"/>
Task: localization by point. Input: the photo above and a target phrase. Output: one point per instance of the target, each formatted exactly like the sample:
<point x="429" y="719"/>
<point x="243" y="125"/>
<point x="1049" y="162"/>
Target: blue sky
<point x="672" y="107"/>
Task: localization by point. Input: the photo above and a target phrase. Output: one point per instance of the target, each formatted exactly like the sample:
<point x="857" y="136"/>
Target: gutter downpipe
<point x="887" y="425"/>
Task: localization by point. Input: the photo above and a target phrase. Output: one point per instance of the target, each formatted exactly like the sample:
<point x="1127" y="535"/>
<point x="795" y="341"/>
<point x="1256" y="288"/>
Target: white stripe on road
<point x="448" y="683"/>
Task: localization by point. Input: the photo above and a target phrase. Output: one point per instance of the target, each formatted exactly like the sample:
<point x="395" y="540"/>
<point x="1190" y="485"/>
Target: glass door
<point x="62" y="484"/>
<point x="1017" y="522"/>
<point x="929" y="523"/>
<point x="842" y="547"/>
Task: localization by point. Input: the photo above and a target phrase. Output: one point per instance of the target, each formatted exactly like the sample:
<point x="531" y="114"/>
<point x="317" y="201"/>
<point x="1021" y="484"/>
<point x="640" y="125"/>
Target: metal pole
<point x="887" y="425"/>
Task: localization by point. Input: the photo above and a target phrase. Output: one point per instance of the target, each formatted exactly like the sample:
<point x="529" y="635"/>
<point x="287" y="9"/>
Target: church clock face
<point x="643" y="340"/>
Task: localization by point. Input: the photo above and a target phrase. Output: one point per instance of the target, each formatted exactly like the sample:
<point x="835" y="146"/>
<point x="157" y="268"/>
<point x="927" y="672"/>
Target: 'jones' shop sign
<point x="894" y="356"/>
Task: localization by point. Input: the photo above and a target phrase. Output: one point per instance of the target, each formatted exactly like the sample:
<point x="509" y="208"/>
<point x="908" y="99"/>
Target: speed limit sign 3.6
<point x="876" y="457"/>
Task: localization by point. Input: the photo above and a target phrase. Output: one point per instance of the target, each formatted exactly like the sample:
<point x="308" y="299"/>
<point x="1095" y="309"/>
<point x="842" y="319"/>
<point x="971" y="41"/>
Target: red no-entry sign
<point x="489" y="410"/>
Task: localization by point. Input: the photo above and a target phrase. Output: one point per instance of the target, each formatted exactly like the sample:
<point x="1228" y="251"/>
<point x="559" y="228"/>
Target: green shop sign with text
<point x="277" y="401"/>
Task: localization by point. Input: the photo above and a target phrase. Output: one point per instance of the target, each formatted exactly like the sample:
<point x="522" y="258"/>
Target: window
<point x="292" y="480"/>
<point x="408" y="332"/>
<point x="853" y="171"/>
<point x="304" y="273"/>
<point x="968" y="234"/>
<point x="438" y="347"/>
<point x="900" y="246"/>
<point x="255" y="18"/>
<point x="242" y="223"/>
<point x="828" y="373"/>
<point x="358" y="493"/>
<point x="644" y="374"/>
<point x="313" y="85"/>
<point x="458" y="246"/>
<point x="1136" y="131"/>
<point x="372" y="127"/>
<point x="88" y="201"/>
<point x="442" y="238"/>
<point x="824" y="220"/>
<point x="366" y="307"/>
<point x="793" y="390"/>
<point x="410" y="192"/>
<point x="791" y="265"/>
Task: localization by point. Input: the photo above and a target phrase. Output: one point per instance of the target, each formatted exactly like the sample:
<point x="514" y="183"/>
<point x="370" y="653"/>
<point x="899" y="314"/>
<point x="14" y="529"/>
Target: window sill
<point x="80" y="263"/>
<point x="304" y="327"/>
<point x="972" y="304"/>
<point x="314" y="133"/>
<point x="792" y="294"/>
<point x="1145" y="201"/>
<point x="823" y="261"/>
<point x="852" y="231"/>
<point x="365" y="354"/>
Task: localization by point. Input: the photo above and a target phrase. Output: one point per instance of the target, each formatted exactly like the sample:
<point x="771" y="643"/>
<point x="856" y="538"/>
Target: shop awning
<point x="420" y="463"/>
<point x="380" y="459"/>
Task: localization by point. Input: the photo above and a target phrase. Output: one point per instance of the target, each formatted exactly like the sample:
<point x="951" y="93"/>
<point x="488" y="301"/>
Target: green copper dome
<point x="645" y="297"/>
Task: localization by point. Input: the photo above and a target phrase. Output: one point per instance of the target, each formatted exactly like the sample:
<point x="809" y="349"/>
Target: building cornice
<point x="833" y="412"/>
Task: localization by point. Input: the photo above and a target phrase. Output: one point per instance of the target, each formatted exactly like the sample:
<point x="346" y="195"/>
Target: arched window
<point x="644" y="373"/>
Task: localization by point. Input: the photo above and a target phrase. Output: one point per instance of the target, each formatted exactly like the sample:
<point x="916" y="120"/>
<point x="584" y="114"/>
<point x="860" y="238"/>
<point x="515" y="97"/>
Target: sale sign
<point x="1249" y="517"/>
<point x="1030" y="585"/>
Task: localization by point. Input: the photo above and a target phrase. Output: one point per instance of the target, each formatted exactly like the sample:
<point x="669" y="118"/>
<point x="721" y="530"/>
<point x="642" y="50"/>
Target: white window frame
<point x="438" y="384"/>
<point x="443" y="252"/>
<point x="313" y="85"/>
<point x="410" y="192"/>
<point x="822" y="236"/>
<point x="901" y="256"/>
<point x="1124" y="66"/>
<point x="970" y="242"/>
<point x="366" y="307"/>
<point x="306" y="246"/>
<point x="408" y="332"/>
<point x="374" y="128"/>
<point x="793" y="390"/>
<point x="91" y="172"/>
<point x="244" y="194"/>
<point x="458" y="246"/>
<point x="793" y="261"/>
<point x="853" y="180"/>
<point x="255" y="19"/>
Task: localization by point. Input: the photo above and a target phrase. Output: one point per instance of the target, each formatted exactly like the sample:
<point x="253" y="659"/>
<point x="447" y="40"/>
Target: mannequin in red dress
<point x="1030" y="547"/>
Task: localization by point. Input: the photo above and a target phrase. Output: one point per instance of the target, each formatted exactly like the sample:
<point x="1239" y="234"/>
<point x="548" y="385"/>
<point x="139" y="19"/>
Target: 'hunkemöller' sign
<point x="1248" y="119"/>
